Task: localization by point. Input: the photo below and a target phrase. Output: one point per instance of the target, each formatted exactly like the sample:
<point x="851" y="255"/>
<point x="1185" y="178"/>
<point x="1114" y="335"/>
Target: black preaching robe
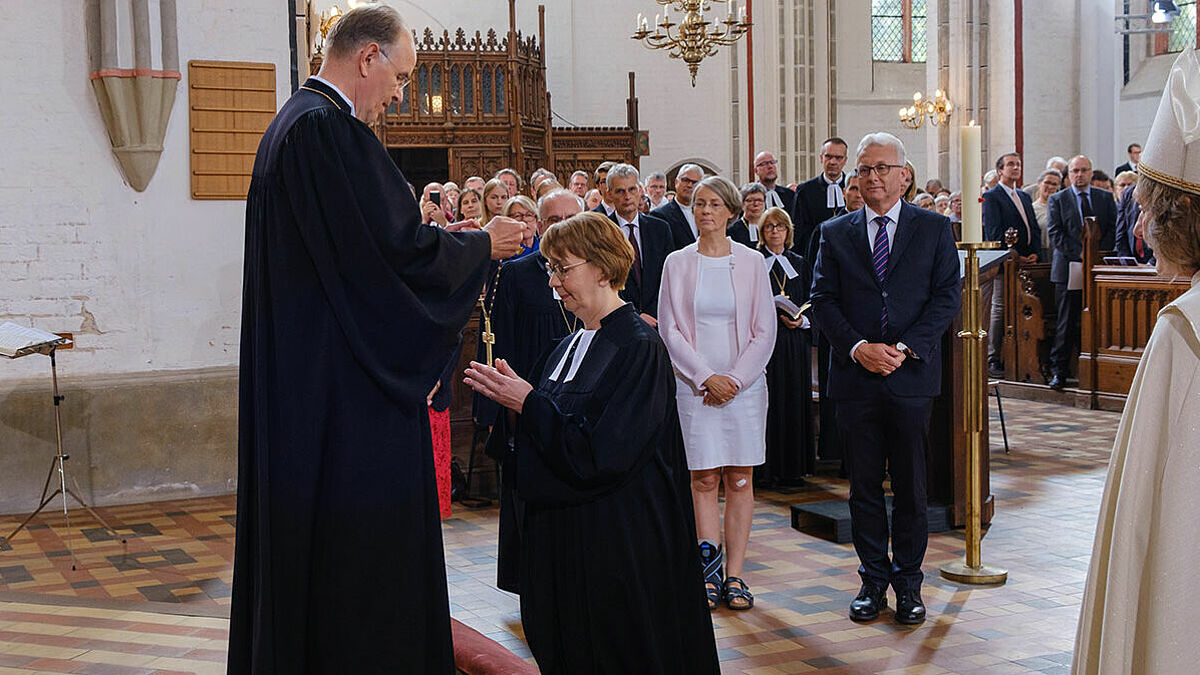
<point x="610" y="571"/>
<point x="790" y="454"/>
<point x="351" y="309"/>
<point x="528" y="322"/>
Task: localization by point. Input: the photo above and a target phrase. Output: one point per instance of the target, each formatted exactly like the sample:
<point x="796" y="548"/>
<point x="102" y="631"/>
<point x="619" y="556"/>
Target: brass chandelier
<point x="692" y="40"/>
<point x="936" y="109"/>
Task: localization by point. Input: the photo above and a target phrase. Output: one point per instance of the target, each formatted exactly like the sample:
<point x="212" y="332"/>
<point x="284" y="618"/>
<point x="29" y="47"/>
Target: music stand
<point x="59" y="460"/>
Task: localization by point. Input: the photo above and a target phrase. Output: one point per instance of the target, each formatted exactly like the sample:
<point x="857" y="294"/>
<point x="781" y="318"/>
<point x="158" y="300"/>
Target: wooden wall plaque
<point x="230" y="104"/>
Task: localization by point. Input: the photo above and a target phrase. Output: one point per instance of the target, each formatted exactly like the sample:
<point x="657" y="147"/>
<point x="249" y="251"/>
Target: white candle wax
<point x="972" y="172"/>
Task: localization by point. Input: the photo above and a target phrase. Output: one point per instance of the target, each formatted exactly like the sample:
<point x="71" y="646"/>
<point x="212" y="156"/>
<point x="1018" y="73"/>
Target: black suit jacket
<point x="810" y="210"/>
<point x="681" y="232"/>
<point x="1128" y="211"/>
<point x="1000" y="213"/>
<point x="1124" y="167"/>
<point x="922" y="291"/>
<point x="656" y="244"/>
<point x="1066" y="228"/>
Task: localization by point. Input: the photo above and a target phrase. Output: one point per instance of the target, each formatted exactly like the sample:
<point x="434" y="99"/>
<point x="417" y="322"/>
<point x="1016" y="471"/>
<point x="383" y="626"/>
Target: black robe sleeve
<point x="575" y="457"/>
<point x="383" y="273"/>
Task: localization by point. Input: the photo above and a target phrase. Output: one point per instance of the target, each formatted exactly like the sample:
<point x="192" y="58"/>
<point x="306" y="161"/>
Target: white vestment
<point x="1140" y="602"/>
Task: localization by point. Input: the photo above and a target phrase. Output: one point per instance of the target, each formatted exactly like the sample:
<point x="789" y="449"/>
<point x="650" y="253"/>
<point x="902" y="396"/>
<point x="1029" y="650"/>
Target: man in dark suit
<point x="1007" y="207"/>
<point x="886" y="290"/>
<point x="1135" y="155"/>
<point x="766" y="169"/>
<point x="678" y="212"/>
<point x="605" y="206"/>
<point x="818" y="198"/>
<point x="650" y="236"/>
<point x="1065" y="212"/>
<point x="1129" y="242"/>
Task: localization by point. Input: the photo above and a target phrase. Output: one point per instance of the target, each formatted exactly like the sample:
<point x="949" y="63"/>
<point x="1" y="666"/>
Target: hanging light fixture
<point x="693" y="39"/>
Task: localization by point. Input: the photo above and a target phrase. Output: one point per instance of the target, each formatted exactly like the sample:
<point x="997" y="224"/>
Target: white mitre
<point x="1172" y="152"/>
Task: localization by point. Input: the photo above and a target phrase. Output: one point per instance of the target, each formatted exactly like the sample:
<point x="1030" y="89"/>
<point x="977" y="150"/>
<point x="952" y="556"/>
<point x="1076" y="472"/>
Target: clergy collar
<point x="825" y="179"/>
<point x="337" y="91"/>
<point x="893" y="213"/>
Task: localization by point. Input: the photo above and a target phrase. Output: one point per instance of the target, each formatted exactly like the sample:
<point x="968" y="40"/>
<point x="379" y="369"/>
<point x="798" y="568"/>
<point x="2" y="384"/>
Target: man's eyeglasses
<point x="687" y="181"/>
<point x="561" y="271"/>
<point x="766" y="162"/>
<point x="880" y="170"/>
<point x="402" y="79"/>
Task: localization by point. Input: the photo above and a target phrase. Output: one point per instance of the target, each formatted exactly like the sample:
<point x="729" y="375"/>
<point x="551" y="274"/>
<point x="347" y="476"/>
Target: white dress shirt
<point x="631" y="225"/>
<point x="690" y="218"/>
<point x="893" y="216"/>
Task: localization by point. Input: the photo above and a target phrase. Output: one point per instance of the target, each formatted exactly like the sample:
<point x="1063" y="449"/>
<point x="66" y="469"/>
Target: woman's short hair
<point x="523" y="201"/>
<point x="725" y="190"/>
<point x="924" y="198"/>
<point x="777" y="215"/>
<point x="752" y="187"/>
<point x="1049" y="172"/>
<point x="363" y="25"/>
<point x="594" y="238"/>
<point x="1173" y="227"/>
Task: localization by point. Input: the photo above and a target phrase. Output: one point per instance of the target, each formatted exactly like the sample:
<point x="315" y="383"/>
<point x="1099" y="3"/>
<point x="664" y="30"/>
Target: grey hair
<point x="621" y="171"/>
<point x="586" y="176"/>
<point x="690" y="167"/>
<point x="752" y="187"/>
<point x="991" y="173"/>
<point x="378" y="23"/>
<point x="725" y="189"/>
<point x="451" y="185"/>
<point x="657" y="175"/>
<point x="555" y="194"/>
<point x="1054" y="160"/>
<point x="884" y="139"/>
<point x="1047" y="172"/>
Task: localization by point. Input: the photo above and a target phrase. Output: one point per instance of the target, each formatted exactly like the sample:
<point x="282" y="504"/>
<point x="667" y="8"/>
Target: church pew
<point x="1030" y="321"/>
<point x="1120" y="306"/>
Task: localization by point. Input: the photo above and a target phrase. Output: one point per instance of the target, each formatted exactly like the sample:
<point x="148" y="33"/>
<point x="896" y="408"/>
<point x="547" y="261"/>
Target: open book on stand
<point x="18" y="340"/>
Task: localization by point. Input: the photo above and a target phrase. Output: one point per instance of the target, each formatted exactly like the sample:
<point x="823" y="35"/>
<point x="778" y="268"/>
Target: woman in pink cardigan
<point x="716" y="315"/>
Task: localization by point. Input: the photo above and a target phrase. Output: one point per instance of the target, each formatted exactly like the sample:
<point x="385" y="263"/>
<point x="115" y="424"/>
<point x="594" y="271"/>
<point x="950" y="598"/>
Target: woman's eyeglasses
<point x="561" y="271"/>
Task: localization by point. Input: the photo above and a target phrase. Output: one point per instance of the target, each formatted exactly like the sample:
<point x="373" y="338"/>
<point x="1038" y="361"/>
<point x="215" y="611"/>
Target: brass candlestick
<point x="972" y="570"/>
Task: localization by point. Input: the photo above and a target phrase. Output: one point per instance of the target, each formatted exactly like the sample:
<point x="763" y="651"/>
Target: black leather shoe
<point x="866" y="606"/>
<point x="909" y="608"/>
<point x="1057" y="382"/>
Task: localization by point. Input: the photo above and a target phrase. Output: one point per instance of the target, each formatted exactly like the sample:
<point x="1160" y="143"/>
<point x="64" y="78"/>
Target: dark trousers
<point x="1066" y="340"/>
<point x="887" y="433"/>
<point x="829" y="443"/>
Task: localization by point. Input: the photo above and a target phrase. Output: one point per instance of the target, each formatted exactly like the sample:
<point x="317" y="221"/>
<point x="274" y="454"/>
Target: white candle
<point x="638" y="23"/>
<point x="972" y="172"/>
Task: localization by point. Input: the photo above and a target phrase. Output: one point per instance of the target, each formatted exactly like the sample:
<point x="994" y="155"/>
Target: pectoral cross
<point x="488" y="337"/>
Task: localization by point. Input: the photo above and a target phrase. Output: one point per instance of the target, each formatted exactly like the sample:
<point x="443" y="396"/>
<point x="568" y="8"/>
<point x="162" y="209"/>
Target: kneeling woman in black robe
<point x="610" y="576"/>
<point x="790" y="451"/>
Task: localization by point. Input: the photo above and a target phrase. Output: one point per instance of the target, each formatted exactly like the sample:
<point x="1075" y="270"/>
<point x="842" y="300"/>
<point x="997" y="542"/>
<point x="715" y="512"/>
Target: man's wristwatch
<point x="907" y="352"/>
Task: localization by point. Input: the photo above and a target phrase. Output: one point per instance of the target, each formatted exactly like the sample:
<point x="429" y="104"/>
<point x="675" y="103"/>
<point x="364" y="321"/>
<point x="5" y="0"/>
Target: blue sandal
<point x="741" y="594"/>
<point x="711" y="559"/>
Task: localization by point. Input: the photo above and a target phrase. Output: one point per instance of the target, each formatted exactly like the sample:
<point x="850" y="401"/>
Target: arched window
<point x="898" y="30"/>
<point x="1183" y="30"/>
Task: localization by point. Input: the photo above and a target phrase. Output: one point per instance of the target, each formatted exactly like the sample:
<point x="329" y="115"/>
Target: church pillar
<point x="1099" y="57"/>
<point x="957" y="64"/>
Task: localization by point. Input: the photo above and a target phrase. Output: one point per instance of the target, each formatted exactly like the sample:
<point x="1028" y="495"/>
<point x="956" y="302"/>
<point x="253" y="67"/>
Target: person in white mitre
<point x="1139" y="608"/>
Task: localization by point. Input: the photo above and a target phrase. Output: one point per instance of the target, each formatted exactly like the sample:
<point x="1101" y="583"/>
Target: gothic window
<point x="423" y="90"/>
<point x="487" y="89"/>
<point x="456" y="90"/>
<point x="898" y="30"/>
<point x="499" y="90"/>
<point x="469" y="90"/>
<point x="435" y="90"/>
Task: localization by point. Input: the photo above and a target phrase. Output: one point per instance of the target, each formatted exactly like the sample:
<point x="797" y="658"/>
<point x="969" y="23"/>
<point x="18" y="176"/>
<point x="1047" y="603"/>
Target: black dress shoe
<point x="909" y="608"/>
<point x="1057" y="382"/>
<point x="866" y="606"/>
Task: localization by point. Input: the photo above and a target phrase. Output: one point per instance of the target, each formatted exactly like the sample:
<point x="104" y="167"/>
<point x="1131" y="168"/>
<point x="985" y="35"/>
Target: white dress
<point x="733" y="434"/>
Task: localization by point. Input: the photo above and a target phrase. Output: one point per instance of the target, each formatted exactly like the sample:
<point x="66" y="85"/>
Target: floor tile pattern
<point x="127" y="604"/>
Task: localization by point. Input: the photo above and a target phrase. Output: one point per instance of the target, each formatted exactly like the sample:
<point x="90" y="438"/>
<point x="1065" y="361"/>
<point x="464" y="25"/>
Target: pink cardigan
<point x="756" y="323"/>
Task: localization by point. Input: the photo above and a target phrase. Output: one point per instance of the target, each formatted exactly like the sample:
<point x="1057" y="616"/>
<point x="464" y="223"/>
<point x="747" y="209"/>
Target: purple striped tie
<point x="880" y="258"/>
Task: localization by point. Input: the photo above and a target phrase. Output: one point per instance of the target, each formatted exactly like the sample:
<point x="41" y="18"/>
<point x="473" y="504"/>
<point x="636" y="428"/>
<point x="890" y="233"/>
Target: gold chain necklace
<point x="781" y="282"/>
<point x="571" y="325"/>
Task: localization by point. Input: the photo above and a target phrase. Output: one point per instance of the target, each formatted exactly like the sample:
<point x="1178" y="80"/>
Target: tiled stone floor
<point x="155" y="604"/>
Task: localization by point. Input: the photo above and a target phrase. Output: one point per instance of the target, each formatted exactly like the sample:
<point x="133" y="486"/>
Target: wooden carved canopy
<point x="483" y="99"/>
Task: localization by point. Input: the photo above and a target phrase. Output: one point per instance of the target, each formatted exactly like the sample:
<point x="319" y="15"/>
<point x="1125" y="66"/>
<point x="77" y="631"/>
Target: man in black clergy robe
<point x="351" y="308"/>
<point x="766" y="170"/>
<point x="819" y="198"/>
<point x="528" y="320"/>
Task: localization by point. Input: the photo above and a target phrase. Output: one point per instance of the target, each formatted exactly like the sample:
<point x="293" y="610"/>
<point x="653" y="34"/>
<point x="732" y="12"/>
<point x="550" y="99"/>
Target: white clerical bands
<point x="783" y="262"/>
<point x="834" y="197"/>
